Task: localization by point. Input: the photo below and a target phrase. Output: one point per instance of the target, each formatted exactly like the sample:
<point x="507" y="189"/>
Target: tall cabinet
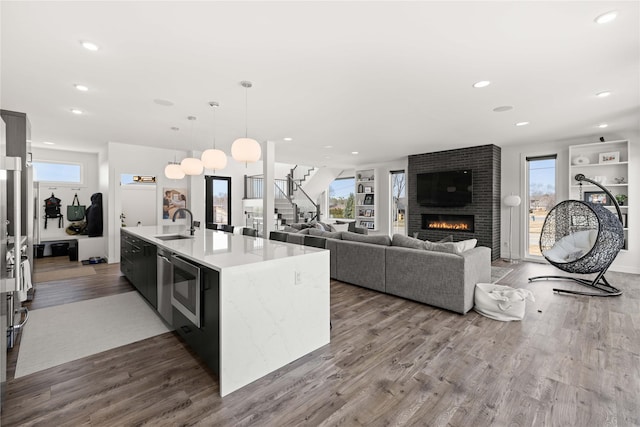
<point x="608" y="164"/>
<point x="366" y="199"/>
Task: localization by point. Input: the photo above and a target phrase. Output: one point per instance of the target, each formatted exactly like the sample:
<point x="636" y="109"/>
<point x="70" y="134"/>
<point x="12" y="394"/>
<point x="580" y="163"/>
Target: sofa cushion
<point x="406" y="242"/>
<point x="365" y="238"/>
<point x="326" y="234"/>
<point x="451" y="247"/>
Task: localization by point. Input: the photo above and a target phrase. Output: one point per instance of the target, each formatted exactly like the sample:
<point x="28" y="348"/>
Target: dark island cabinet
<point x="205" y="341"/>
<point x="138" y="264"/>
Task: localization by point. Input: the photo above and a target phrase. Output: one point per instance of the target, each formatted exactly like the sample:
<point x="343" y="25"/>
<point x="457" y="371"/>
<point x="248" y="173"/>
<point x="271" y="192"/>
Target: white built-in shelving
<point x="365" y="199"/>
<point x="606" y="163"/>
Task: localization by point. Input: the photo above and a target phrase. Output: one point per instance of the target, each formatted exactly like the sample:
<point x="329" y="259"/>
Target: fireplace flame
<point x="448" y="226"/>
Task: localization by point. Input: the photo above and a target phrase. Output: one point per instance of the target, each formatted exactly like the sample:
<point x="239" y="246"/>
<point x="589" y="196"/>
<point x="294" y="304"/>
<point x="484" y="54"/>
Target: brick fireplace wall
<point x="484" y="161"/>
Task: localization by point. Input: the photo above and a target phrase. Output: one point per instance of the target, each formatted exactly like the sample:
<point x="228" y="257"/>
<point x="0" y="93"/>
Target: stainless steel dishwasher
<point x="165" y="282"/>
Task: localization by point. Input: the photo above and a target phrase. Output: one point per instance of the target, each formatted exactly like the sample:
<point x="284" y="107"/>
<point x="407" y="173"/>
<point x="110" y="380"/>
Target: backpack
<point x="52" y="210"/>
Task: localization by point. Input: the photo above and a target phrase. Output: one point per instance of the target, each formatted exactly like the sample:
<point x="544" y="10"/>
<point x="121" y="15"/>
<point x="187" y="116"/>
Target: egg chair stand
<point x="593" y="222"/>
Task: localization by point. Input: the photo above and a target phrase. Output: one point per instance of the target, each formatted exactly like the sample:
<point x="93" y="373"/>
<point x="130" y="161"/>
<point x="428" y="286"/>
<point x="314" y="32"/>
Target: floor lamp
<point x="512" y="201"/>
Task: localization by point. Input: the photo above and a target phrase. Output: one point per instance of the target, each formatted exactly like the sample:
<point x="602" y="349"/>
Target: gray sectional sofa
<point x="443" y="276"/>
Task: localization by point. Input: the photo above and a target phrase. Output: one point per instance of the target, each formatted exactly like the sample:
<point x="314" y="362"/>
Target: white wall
<point x="513" y="182"/>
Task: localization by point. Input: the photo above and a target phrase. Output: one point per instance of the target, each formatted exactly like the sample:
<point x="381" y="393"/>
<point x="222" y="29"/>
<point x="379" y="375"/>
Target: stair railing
<point x="297" y="187"/>
<point x="280" y="194"/>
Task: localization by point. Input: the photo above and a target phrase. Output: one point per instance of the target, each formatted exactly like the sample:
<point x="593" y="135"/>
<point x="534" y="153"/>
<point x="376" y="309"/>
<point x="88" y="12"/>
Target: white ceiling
<point x="386" y="79"/>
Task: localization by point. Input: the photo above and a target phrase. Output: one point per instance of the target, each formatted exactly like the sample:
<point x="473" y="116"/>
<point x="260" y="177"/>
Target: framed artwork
<point x="597" y="197"/>
<point x="368" y="189"/>
<point x="368" y="199"/>
<point x="368" y="212"/>
<point x="172" y="200"/>
<point x="611" y="157"/>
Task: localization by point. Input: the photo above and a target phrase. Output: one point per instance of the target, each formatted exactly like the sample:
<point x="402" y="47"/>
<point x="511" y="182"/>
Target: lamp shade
<point x="173" y="171"/>
<point x="512" y="200"/>
<point x="246" y="150"/>
<point x="214" y="159"/>
<point x="192" y="166"/>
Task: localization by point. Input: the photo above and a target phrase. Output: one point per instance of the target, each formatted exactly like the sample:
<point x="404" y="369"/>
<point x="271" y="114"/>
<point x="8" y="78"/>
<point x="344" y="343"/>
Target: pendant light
<point x="214" y="158"/>
<point x="246" y="149"/>
<point x="173" y="169"/>
<point x="191" y="165"/>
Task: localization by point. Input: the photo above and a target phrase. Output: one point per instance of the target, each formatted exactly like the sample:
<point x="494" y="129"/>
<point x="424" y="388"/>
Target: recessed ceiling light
<point x="354" y="152"/>
<point x="81" y="88"/>
<point x="76" y="111"/>
<point x="522" y="123"/>
<point x="603" y="94"/>
<point x="328" y="146"/>
<point x="503" y="108"/>
<point x="482" y="83"/>
<point x="89" y="46"/>
<point x="48" y="142"/>
<point x="288" y="139"/>
<point x="606" y="17"/>
<point x="602" y="125"/>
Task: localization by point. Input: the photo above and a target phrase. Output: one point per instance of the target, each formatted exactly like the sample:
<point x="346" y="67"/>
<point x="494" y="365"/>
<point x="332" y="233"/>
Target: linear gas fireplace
<point x="448" y="222"/>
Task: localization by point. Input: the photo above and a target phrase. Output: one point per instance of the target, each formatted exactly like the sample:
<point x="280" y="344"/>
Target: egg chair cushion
<point x="572" y="247"/>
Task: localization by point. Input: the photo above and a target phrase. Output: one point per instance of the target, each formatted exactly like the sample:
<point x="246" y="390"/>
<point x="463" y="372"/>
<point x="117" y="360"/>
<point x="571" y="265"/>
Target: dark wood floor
<point x="573" y="361"/>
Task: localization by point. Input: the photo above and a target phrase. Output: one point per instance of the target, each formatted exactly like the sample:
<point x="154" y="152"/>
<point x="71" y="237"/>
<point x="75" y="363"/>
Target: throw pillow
<point x="449" y="238"/>
<point x="364" y="238"/>
<point x="406" y="242"/>
<point x="447" y="247"/>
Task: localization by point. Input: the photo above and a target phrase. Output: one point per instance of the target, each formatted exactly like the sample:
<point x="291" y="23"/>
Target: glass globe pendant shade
<point x="512" y="200"/>
<point x="246" y="150"/>
<point x="173" y="171"/>
<point x="192" y="166"/>
<point x="214" y="159"/>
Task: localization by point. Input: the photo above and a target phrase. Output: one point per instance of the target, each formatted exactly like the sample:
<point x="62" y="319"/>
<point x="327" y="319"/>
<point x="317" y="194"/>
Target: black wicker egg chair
<point x="582" y="238"/>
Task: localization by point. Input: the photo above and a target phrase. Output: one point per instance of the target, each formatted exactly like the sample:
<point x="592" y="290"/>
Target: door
<point x="541" y="197"/>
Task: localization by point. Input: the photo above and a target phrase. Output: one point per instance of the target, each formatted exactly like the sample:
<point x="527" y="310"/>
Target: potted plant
<point x="621" y="198"/>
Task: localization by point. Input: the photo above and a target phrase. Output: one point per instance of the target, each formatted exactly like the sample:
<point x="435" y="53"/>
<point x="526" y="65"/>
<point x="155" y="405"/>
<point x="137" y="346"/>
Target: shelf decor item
<point x="597" y="197"/>
<point x="368" y="199"/>
<point x="621" y="198"/>
<point x="610" y="157"/>
<point x="368" y="189"/>
<point x="581" y="160"/>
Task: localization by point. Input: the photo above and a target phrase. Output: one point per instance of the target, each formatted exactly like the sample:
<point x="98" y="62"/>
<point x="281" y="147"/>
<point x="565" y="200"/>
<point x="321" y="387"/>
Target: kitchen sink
<point x="172" y="237"/>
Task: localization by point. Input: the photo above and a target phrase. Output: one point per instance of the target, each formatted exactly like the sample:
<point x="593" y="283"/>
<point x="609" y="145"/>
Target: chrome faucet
<point x="192" y="228"/>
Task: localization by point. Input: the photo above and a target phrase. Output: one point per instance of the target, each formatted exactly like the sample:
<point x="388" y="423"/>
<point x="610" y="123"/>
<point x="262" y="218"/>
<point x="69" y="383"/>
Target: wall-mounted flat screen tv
<point x="445" y="189"/>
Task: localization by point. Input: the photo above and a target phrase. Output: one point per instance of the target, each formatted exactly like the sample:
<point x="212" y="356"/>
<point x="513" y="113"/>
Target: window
<point x="398" y="202"/>
<point x="57" y="172"/>
<point x="218" y="200"/>
<point x="541" y="197"/>
<point x="341" y="198"/>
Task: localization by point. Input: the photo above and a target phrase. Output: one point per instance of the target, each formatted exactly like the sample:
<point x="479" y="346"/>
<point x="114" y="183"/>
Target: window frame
<point x="58" y="162"/>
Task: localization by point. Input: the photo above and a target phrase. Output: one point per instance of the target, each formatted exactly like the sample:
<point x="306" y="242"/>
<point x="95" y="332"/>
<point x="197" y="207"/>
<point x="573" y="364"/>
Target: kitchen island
<point x="272" y="300"/>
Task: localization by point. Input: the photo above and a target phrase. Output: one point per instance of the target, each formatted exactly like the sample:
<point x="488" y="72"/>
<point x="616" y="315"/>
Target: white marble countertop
<point x="219" y="250"/>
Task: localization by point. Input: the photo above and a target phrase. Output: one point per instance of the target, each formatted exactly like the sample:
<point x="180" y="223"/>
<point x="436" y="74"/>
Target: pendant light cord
<point x="246" y="111"/>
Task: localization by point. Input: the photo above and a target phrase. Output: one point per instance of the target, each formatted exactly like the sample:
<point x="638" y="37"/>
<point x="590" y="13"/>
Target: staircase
<point x="284" y="211"/>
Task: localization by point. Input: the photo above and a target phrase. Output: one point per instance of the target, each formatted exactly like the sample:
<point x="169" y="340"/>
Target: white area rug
<point x="498" y="273"/>
<point x="60" y="334"/>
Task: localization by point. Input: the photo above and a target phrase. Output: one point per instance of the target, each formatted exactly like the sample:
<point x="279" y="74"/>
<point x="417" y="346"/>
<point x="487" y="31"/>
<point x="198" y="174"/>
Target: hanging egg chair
<point x="582" y="238"/>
